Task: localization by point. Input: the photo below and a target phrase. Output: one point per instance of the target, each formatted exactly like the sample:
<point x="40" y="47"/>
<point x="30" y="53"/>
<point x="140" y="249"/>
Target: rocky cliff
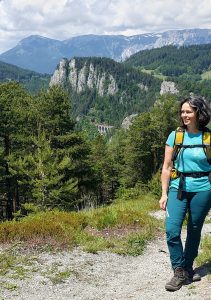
<point x="82" y="77"/>
<point x="105" y="90"/>
<point x="168" y="87"/>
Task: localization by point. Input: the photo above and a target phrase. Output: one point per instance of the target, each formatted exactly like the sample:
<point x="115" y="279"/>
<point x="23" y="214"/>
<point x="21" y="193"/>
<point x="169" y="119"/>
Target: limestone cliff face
<point x="60" y="74"/>
<point x="127" y="122"/>
<point x="168" y="87"/>
<point x="80" y="77"/>
<point x="72" y="77"/>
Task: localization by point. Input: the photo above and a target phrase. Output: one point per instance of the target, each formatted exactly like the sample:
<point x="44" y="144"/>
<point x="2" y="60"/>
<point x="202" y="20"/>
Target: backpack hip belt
<point x="182" y="176"/>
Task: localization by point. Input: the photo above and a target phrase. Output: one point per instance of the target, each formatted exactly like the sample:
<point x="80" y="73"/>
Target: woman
<point x="188" y="191"/>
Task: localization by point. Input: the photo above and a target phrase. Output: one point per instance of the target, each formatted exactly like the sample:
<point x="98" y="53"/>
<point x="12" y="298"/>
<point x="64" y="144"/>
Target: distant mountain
<point x="33" y="81"/>
<point x="34" y="53"/>
<point x="43" y="54"/>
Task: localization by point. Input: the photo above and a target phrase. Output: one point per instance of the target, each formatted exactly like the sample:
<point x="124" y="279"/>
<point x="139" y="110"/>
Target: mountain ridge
<point x="42" y="54"/>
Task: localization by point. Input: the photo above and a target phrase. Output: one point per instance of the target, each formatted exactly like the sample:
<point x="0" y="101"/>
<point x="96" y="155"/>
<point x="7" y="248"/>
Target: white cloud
<point x="61" y="19"/>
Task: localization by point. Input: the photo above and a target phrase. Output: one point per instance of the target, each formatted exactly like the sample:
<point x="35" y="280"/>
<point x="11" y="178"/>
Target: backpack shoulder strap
<point x="178" y="141"/>
<point x="179" y="136"/>
<point x="206" y="139"/>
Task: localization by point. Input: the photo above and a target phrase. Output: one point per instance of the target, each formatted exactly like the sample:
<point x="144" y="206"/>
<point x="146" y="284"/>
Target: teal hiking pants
<point x="197" y="205"/>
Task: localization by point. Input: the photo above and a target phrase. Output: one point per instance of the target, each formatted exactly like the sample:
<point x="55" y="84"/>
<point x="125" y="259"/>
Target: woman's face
<point x="188" y="115"/>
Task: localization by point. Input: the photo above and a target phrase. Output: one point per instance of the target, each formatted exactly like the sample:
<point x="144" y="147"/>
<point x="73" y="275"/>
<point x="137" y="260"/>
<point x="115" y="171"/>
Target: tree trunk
<point x="8" y="183"/>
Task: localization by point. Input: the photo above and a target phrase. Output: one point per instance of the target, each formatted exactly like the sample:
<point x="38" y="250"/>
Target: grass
<point x="154" y="73"/>
<point x="14" y="264"/>
<point x="208" y="219"/>
<point x="10" y="286"/>
<point x="206" y="75"/>
<point x="204" y="257"/>
<point x="57" y="276"/>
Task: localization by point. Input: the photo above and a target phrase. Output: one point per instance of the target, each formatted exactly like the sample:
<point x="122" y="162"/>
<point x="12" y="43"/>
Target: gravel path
<point x="107" y="276"/>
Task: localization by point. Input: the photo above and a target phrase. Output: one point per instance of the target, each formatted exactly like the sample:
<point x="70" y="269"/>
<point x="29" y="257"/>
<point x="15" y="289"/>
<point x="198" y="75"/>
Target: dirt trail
<point x="107" y="276"/>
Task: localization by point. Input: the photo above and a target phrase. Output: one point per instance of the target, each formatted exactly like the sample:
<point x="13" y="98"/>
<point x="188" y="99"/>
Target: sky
<point x="63" y="19"/>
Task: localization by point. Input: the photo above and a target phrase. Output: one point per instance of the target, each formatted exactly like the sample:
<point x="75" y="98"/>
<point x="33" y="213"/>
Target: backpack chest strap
<point x="178" y="143"/>
<point x="193" y="146"/>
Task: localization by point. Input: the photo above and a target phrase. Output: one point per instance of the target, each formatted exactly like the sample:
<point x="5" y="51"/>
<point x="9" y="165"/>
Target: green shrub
<point x="155" y="185"/>
<point x="107" y="227"/>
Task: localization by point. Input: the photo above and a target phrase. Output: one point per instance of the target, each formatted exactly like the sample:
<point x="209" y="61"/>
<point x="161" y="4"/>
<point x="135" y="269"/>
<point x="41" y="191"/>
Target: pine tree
<point x="143" y="153"/>
<point x="60" y="152"/>
<point x="42" y="173"/>
<point x="44" y="160"/>
<point x="14" y="102"/>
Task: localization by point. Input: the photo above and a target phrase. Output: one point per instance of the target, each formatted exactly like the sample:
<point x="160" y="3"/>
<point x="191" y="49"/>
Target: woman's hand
<point x="163" y="201"/>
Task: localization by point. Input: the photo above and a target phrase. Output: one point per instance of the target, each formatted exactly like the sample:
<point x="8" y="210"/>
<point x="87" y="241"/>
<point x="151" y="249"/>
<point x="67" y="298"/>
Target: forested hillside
<point x="174" y="61"/>
<point x="47" y="161"/>
<point x="105" y="90"/>
<point x="189" y="67"/>
<point x="31" y="80"/>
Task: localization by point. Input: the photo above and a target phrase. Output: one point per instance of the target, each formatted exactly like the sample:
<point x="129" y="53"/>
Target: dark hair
<point x="201" y="107"/>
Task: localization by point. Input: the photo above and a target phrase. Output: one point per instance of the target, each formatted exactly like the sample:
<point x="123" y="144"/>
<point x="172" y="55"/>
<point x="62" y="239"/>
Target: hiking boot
<point x="177" y="280"/>
<point x="193" y="275"/>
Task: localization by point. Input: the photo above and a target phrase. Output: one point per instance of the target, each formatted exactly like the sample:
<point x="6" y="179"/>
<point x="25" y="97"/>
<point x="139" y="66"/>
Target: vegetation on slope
<point x="31" y="80"/>
<point x="188" y="67"/>
<point x="136" y="91"/>
<point x="174" y="61"/>
<point x="123" y="227"/>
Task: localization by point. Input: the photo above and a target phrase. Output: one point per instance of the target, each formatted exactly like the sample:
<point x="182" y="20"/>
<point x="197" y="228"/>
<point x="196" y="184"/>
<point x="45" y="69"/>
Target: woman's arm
<point x="165" y="176"/>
